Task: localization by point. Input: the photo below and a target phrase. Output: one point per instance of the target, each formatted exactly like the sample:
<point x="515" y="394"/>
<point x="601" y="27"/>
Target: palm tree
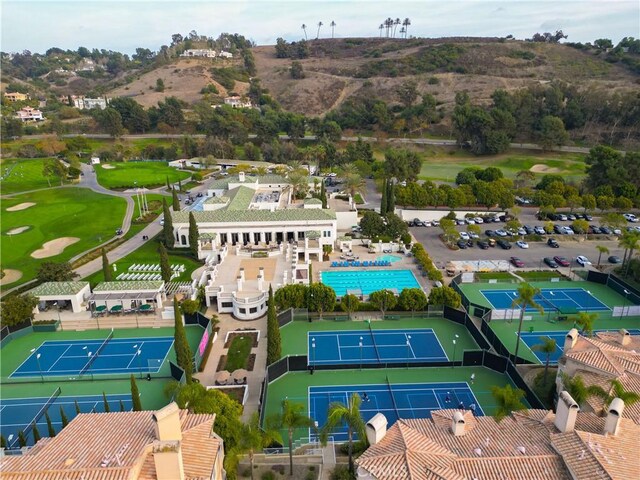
<point x="508" y="399"/>
<point x="602" y="249"/>
<point x="304" y="27"/>
<point x="586" y="321"/>
<point x="340" y="414"/>
<point x="395" y="26"/>
<point x="319" y="25"/>
<point x="548" y="347"/>
<point x="576" y="388"/>
<point x="333" y="26"/>
<point x="526" y="298"/>
<point x="388" y="23"/>
<point x="406" y="22"/>
<point x="617" y="390"/>
<point x="381" y="27"/>
<point x="402" y="31"/>
<point x="353" y="183"/>
<point x="629" y="240"/>
<point x="252" y="439"/>
<point x="291" y="418"/>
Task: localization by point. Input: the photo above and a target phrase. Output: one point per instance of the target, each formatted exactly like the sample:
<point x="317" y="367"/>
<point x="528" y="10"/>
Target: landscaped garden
<point x="123" y="175"/>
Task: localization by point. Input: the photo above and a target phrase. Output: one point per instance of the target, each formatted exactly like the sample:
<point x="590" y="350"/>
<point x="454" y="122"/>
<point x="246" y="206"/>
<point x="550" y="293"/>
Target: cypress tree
<point x="168" y="184"/>
<point x="165" y="268"/>
<point x="323" y="195"/>
<point x="167" y="230"/>
<point x="36" y="433"/>
<point x="63" y="418"/>
<point x="193" y="235"/>
<point x="176" y="200"/>
<point x="391" y="197"/>
<point x="106" y="403"/>
<point x="274" y="343"/>
<point x="121" y="406"/>
<point x="50" y="429"/>
<point x="183" y="352"/>
<point x="180" y="185"/>
<point x="22" y="440"/>
<point x="106" y="268"/>
<point x="3" y="442"/>
<point x="135" y="395"/>
<point x="383" y="201"/>
<point x="310" y="274"/>
<point x="78" y="411"/>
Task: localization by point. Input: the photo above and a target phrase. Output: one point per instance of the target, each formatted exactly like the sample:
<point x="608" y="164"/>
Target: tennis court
<point x="18" y="414"/>
<point x="353" y="347"/>
<point x="96" y="357"/>
<point x="411" y="400"/>
<point x="533" y="338"/>
<point x="566" y="300"/>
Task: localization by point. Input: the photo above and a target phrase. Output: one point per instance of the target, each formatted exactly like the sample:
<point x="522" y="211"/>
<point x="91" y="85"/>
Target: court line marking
<point x="59" y="358"/>
<point x="339" y="347"/>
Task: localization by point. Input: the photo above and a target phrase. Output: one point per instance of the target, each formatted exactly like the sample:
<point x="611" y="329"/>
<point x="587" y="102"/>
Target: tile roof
<point x="79" y="450"/>
<point x="217" y="200"/>
<point x="240" y="198"/>
<point x="58" y="288"/>
<point x="604" y="352"/>
<point x="312" y="201"/>
<point x="247" y="216"/>
<point x="129" y="286"/>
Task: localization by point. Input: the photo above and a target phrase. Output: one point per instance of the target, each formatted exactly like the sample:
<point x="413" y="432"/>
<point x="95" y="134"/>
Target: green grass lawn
<point x="148" y="253"/>
<point x="540" y="276"/>
<point x="238" y="354"/>
<point x="503" y="276"/>
<point x="147" y="174"/>
<point x="22" y="174"/>
<point x="65" y="212"/>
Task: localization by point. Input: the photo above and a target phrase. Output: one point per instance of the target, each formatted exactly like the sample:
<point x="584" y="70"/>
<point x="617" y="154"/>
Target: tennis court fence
<point x="38" y="416"/>
<point x="204" y="345"/>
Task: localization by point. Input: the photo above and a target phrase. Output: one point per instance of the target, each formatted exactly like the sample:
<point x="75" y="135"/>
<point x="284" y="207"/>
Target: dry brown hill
<point x="337" y="69"/>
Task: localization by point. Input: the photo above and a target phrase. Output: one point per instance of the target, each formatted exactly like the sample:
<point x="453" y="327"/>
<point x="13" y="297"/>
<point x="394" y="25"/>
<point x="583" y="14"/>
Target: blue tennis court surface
<point x="18" y="413"/>
<point x="574" y="299"/>
<point x="367" y="281"/>
<point x="78" y="357"/>
<point x="415" y="400"/>
<point x="378" y="346"/>
<point x="533" y="338"/>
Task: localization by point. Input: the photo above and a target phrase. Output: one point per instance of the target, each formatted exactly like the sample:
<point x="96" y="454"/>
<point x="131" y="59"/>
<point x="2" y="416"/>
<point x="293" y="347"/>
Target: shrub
<point x="278" y="468"/>
<point x="433" y="81"/>
<point x="268" y="475"/>
<point x="341" y="472"/>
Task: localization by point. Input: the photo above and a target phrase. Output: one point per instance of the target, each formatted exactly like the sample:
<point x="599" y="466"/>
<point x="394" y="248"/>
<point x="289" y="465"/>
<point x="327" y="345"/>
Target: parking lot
<point x="570" y="245"/>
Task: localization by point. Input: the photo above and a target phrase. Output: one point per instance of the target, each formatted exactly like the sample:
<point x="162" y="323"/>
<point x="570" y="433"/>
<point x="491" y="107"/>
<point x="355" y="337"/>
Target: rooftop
<point x="226" y="215"/>
<point x="128" y="286"/>
<point x="58" y="288"/>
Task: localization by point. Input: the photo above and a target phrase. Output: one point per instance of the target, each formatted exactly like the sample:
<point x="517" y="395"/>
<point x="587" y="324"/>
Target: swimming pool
<point x="389" y="258"/>
<point x="367" y="281"/>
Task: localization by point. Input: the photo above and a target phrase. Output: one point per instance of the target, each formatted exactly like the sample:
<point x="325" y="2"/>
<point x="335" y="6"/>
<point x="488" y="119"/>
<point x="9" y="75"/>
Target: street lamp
<point x="455" y="344"/>
<point x="38" y="355"/>
<point x="313" y="355"/>
<point x="89" y="362"/>
<point x="55" y="304"/>
<point x="408" y="348"/>
<point x="626" y="300"/>
<point x="139" y="362"/>
<point x="360" y="343"/>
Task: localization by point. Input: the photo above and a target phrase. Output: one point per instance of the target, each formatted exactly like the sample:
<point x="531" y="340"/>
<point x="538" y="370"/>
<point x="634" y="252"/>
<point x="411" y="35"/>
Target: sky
<point x="125" y="25"/>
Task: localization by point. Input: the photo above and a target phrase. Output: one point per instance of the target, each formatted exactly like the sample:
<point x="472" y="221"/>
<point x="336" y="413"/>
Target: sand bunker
<point x="540" y="168"/>
<point x="10" y="276"/>
<point x="108" y="167"/>
<point x="54" y="247"/>
<point x="20" y="206"/>
<point x="16" y="231"/>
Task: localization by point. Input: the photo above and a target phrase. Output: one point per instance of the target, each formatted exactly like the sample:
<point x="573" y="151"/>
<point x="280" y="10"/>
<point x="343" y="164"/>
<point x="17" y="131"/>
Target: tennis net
<point x="40" y="413"/>
<point x="96" y="353"/>
<point x="393" y="399"/>
<point x="373" y="339"/>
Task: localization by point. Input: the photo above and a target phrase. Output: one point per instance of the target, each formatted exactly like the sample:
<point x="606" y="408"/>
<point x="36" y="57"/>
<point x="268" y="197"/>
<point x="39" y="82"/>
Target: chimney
<point x="458" y="424"/>
<point x="260" y="282"/>
<point x="242" y="274"/>
<point x="240" y="280"/>
<point x="614" y="417"/>
<point x="241" y="177"/>
<point x="167" y="423"/>
<point x="623" y="337"/>
<point x="376" y="428"/>
<point x="566" y="412"/>
<point x="571" y="339"/>
<point x="167" y="457"/>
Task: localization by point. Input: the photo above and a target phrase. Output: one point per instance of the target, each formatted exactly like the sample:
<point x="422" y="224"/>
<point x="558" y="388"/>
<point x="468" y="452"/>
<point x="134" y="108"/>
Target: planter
<point x="46" y="326"/>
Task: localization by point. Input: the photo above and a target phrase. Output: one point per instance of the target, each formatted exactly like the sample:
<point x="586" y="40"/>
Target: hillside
<point x="337" y="69"/>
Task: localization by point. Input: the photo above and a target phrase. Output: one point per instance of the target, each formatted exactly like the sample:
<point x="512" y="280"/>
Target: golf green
<point x="22" y="174"/>
<point x="123" y="175"/>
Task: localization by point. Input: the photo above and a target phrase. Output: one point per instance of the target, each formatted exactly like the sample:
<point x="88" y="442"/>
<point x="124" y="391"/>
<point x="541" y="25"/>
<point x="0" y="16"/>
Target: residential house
<point x="199" y="52"/>
<point x="86" y="65"/>
<point x="16" y="96"/>
<point x="28" y="114"/>
<point x="238" y="102"/>
<point x="224" y="54"/>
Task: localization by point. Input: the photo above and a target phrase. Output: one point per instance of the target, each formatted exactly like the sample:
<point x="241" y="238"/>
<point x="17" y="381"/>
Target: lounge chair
<point x="334" y="264"/>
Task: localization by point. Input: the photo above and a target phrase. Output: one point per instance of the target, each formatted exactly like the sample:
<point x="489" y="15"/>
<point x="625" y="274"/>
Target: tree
<point x="53" y="167"/>
<point x="175" y="200"/>
<point x="22" y="439"/>
<point x="321" y="298"/>
<point x="405" y="23"/>
<point x="407" y="93"/>
<point x="159" y="85"/>
<point x="349" y="303"/>
<point x="77" y="407"/>
<point x="317" y="36"/>
<point x="628" y="240"/>
<point x="526" y="299"/>
<point x="274" y="341"/>
<point x="56" y="272"/>
<point x="552" y="132"/>
<point x="383" y="300"/>
<point x="106" y="268"/>
<point x="253" y="438"/>
<point x="51" y="431"/>
<point x="167" y="228"/>
<point x="63" y="418"/>
<point x="165" y="267"/>
<point x="193" y="235"/>
<point x="508" y="399"/>
<point x="17" y="309"/>
<point x="548" y="347"/>
<point x="35" y="432"/>
<point x="586" y="321"/>
<point x="121" y="406"/>
<point x="110" y="121"/>
<point x="291" y="296"/>
<point x="575" y="387"/>
<point x="135" y="395"/>
<point x="372" y="224"/>
<point x="181" y="345"/>
<point x="617" y="390"/>
<point x="304" y="28"/>
<point x="333" y="26"/>
<point x="445" y="296"/>
<point x="291" y="419"/>
<point x="383" y="201"/>
<point x="412" y="299"/>
<point x="297" y="70"/>
<point x="340" y="415"/>
<point x="3" y="442"/>
<point x="601" y="249"/>
<point x="10" y="127"/>
<point x="588" y="202"/>
<point x="105" y="402"/>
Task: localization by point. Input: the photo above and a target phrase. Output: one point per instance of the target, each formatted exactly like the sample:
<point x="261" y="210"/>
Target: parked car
<point x="504" y="244"/>
<point x="435" y="223"/>
<point x="594" y="229"/>
<point x="490" y="233"/>
<point x="522" y="244"/>
<point x="479" y="220"/>
<point x="528" y="229"/>
<point x="469" y="221"/>
<point x="459" y="222"/>
<point x="464" y="236"/>
<point x="462" y="244"/>
<point x="473" y="235"/>
<point x="426" y="224"/>
<point x="606" y="230"/>
<point x="562" y="261"/>
<point x="516" y="262"/>
<point x="553" y="243"/>
<point x="559" y="229"/>
<point x="162" y="222"/>
<point x="588" y="217"/>
<point x="418" y="223"/>
<point x="630" y="217"/>
<point x="539" y="230"/>
<point x="502" y="233"/>
<point x="550" y="262"/>
<point x="571" y="217"/>
<point x="562" y="217"/>
<point x="483" y="245"/>
<point x="582" y="260"/>
<point x="614" y="259"/>
<point x="521" y="231"/>
<point x="569" y="231"/>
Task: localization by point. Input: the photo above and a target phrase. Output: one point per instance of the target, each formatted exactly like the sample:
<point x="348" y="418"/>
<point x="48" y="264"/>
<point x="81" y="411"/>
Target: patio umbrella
<point x="222" y="377"/>
<point x="239" y="376"/>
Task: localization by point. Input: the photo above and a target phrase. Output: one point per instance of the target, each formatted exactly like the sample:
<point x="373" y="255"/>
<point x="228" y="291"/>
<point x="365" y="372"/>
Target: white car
<point x="162" y="222"/>
<point x="479" y="220"/>
<point x="539" y="230"/>
<point x="501" y="233"/>
<point x="435" y="223"/>
<point x="459" y="222"/>
<point x="630" y="217"/>
<point x="522" y="244"/>
<point x="469" y="221"/>
<point x="522" y="231"/>
<point x="582" y="260"/>
<point x="569" y="231"/>
<point x="426" y="224"/>
<point x="473" y="235"/>
<point x="464" y="235"/>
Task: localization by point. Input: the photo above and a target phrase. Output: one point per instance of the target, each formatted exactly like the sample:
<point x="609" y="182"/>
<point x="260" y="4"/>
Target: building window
<point x="253" y="309"/>
<point x="227" y="304"/>
<point x="242" y="310"/>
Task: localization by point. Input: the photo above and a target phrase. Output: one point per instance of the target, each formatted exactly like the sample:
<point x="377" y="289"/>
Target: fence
<point x="177" y="373"/>
<point x="204" y="322"/>
<point x="463" y="318"/>
<point x="15" y="331"/>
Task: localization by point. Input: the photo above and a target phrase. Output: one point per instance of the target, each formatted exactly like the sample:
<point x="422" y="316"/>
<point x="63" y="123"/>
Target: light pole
<point x="55" y="304"/>
<point x="38" y="355"/>
<point x="408" y="349"/>
<point x="360" y="343"/>
<point x="139" y="362"/>
<point x="89" y="362"/>
<point x="455" y="344"/>
<point x="626" y="300"/>
<point x="313" y="355"/>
